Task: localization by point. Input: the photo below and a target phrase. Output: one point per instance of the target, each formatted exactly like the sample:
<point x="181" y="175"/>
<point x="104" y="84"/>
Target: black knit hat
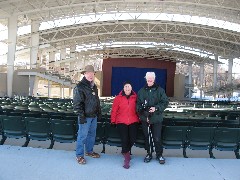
<point x="127" y="82"/>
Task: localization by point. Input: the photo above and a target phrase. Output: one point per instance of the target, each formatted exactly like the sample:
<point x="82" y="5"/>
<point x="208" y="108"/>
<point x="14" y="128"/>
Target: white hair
<point x="150" y="74"/>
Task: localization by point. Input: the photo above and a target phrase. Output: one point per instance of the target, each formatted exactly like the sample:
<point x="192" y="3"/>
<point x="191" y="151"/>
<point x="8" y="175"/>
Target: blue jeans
<point x="86" y="136"/>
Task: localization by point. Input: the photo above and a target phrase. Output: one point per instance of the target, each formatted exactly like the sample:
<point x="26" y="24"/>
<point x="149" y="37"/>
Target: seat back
<point x="63" y="130"/>
<point x="227" y="138"/>
<point x="13" y="126"/>
<point x="100" y="133"/>
<point x="112" y="135"/>
<point x="140" y="141"/>
<point x="200" y="137"/>
<point x="174" y="137"/>
<point x="38" y="128"/>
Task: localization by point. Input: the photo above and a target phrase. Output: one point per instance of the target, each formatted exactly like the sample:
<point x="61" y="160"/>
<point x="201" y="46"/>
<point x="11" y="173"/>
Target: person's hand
<point x="152" y="109"/>
<point x="82" y="120"/>
<point x="146" y="113"/>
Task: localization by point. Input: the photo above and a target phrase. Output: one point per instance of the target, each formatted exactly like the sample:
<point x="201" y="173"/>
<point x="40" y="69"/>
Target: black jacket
<point x="86" y="102"/>
<point x="153" y="96"/>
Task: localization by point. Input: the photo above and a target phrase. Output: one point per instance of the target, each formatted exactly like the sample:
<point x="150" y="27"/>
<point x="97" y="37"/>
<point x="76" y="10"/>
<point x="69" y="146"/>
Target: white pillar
<point x="39" y="59"/>
<point x="51" y="60"/>
<point x="201" y="79"/>
<point x="230" y="65"/>
<point x="49" y="88"/>
<point x="61" y="91"/>
<point x="72" y="64"/>
<point x="12" y="39"/>
<point x="62" y="57"/>
<point x="70" y="92"/>
<point x="51" y="57"/>
<point x="35" y="87"/>
<point x="215" y="65"/>
<point x="190" y="78"/>
<point x="34" y="43"/>
<point x="72" y="51"/>
<point x="63" y="53"/>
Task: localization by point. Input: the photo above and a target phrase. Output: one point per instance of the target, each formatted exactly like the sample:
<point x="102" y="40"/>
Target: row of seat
<point x="167" y="120"/>
<point x="173" y="137"/>
<point x="202" y="138"/>
<point x="37" y="129"/>
<point x="201" y="122"/>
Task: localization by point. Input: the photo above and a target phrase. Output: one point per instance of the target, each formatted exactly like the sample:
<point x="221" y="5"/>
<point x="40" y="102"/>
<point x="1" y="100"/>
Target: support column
<point x="72" y="64"/>
<point x="201" y="80"/>
<point x="51" y="60"/>
<point x="49" y="89"/>
<point x="34" y="43"/>
<point x="39" y="59"/>
<point x="230" y="65"/>
<point x="229" y="80"/>
<point x="70" y="92"/>
<point x="72" y="51"/>
<point x="12" y="39"/>
<point x="190" y="79"/>
<point x="33" y="85"/>
<point x="62" y="57"/>
<point x="215" y="65"/>
<point x="61" y="91"/>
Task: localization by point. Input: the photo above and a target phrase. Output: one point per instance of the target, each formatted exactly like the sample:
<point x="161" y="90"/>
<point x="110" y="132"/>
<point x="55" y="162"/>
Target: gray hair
<point x="150" y="74"/>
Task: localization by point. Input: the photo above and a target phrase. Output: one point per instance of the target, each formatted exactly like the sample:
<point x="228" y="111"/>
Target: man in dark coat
<point x="86" y="104"/>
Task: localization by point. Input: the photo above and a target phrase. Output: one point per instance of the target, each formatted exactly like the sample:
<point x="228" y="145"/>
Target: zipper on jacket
<point x="128" y="109"/>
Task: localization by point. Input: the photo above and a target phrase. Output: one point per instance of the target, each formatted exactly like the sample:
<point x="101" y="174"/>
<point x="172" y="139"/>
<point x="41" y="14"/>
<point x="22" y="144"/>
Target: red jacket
<point x="124" y="109"/>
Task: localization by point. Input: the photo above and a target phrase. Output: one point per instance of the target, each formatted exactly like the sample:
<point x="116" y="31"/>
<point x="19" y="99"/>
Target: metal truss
<point x="149" y="53"/>
<point x="55" y="9"/>
<point x="209" y="40"/>
<point x="165" y="35"/>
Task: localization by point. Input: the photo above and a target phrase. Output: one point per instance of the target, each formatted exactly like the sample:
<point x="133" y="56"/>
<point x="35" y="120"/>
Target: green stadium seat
<point x="100" y="135"/>
<point x="229" y="123"/>
<point x="140" y="141"/>
<point x="14" y="127"/>
<point x="201" y="138"/>
<point x="227" y="139"/>
<point x="38" y="128"/>
<point x="112" y="135"/>
<point x="175" y="137"/>
<point x="63" y="131"/>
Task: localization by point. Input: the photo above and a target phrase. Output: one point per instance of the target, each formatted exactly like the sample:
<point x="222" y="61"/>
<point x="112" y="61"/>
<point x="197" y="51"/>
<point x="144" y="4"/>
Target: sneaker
<point x="148" y="158"/>
<point x="81" y="160"/>
<point x="93" y="155"/>
<point x="161" y="160"/>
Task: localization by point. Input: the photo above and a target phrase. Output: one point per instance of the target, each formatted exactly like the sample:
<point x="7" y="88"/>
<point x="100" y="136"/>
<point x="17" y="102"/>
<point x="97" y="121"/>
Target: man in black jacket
<point x="86" y="104"/>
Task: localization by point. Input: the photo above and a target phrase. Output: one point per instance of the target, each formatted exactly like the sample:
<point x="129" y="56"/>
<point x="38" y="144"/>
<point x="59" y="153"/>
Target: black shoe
<point x="161" y="159"/>
<point x="148" y="158"/>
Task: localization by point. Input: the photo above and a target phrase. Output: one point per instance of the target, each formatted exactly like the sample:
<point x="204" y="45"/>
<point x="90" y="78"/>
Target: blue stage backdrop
<point x="136" y="76"/>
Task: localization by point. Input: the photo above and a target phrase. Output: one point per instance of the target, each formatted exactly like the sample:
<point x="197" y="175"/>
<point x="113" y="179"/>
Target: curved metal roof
<point x="165" y="36"/>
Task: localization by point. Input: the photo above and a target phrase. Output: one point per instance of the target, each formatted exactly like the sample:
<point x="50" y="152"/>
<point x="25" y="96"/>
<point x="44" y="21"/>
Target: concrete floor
<point x="35" y="162"/>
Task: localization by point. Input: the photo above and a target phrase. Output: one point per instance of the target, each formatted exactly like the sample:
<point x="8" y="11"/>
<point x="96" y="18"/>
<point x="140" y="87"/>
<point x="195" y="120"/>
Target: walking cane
<point x="150" y="138"/>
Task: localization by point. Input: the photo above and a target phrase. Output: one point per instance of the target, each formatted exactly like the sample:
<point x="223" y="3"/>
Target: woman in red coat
<point x="124" y="115"/>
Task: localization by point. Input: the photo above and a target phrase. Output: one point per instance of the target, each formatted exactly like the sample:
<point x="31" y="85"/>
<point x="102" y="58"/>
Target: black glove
<point x="82" y="120"/>
<point x="146" y="113"/>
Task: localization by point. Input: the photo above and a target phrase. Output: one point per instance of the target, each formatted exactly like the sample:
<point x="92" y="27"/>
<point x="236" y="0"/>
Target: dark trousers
<point x="156" y="130"/>
<point x="128" y="135"/>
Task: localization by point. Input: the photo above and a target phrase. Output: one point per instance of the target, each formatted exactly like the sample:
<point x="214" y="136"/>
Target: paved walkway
<point x="18" y="163"/>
